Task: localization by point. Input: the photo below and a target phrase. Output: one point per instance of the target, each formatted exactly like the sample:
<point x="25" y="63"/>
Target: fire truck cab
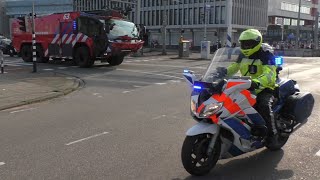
<point x="78" y="36"/>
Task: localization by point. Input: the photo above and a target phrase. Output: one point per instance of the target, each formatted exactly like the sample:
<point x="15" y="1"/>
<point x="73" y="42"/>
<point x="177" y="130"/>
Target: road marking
<point x="62" y="67"/>
<point x="124" y="92"/>
<point x="96" y="135"/>
<point x="22" y="110"/>
<point x="136" y="86"/>
<point x="48" y="69"/>
<point x="318" y="153"/>
<point x="2" y="163"/>
<point x="158" y="117"/>
<point x="160" y="83"/>
<point x="151" y="73"/>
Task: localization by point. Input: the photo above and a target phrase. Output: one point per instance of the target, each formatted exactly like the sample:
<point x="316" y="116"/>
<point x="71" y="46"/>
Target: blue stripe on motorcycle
<point x="234" y="151"/>
<point x="256" y="119"/>
<point x="238" y="128"/>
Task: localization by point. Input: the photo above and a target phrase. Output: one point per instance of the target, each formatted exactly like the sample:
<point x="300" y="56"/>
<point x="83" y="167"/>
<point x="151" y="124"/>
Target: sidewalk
<point x="21" y="87"/>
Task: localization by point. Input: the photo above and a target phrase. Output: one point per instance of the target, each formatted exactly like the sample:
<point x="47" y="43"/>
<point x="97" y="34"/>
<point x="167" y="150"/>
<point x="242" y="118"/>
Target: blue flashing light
<point x="279" y="60"/>
<point x="74" y="25"/>
<point x="197" y="87"/>
<point x="185" y="71"/>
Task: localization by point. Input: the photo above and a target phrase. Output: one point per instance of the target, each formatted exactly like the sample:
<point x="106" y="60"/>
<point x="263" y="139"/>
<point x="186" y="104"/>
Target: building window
<point x="223" y="14"/>
<point x="196" y="14"/>
<point x="294" y="8"/>
<point x="217" y="12"/>
<point x="190" y="16"/>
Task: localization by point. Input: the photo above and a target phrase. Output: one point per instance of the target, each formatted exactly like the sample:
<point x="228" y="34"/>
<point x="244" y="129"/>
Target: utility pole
<point x="229" y="23"/>
<point x="34" y="47"/>
<point x="206" y="8"/>
<point x="316" y="26"/>
<point x="164" y="25"/>
<point x="298" y="28"/>
<point x="1" y="62"/>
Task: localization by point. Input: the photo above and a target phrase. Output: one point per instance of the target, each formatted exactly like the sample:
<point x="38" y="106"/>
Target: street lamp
<point x="164" y="31"/>
<point x="298" y="28"/>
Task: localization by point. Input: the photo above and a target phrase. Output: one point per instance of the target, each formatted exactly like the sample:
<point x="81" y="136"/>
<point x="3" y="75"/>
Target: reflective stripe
<point x="247" y="94"/>
<point x="200" y="108"/>
<point x="231" y="84"/>
<point x="227" y="102"/>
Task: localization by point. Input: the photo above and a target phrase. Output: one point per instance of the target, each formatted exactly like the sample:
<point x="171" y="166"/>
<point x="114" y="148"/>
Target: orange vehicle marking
<point x="227" y="102"/>
<point x="247" y="94"/>
<point x="214" y="119"/>
<point x="231" y="84"/>
<point x="200" y="108"/>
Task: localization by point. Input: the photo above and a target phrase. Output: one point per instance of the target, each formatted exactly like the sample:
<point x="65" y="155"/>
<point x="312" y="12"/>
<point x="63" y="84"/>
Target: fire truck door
<point x="65" y="41"/>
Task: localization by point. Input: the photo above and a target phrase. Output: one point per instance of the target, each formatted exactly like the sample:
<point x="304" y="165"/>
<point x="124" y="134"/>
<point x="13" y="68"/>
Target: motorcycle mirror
<point x="190" y="77"/>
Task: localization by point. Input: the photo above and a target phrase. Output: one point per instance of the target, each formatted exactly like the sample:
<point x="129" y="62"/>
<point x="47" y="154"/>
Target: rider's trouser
<point x="264" y="105"/>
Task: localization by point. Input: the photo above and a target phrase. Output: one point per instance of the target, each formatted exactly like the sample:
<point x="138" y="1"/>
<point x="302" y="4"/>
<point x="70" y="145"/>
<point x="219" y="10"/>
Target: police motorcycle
<point x="224" y="109"/>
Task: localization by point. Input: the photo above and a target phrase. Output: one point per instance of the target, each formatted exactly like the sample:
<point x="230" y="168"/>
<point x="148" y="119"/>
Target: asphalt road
<point x="129" y="122"/>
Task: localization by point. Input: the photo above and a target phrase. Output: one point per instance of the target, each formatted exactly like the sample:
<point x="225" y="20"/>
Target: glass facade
<point x="23" y="7"/>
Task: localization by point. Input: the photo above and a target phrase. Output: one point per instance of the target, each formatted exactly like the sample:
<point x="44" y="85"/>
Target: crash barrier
<point x="1" y="62"/>
<point x="298" y="52"/>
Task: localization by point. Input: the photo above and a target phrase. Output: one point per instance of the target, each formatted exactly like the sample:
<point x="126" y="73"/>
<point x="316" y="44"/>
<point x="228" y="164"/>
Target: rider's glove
<point x="254" y="85"/>
<point x="222" y="71"/>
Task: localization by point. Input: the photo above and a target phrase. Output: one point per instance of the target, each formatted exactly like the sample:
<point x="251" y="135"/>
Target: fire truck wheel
<point x="26" y="53"/>
<point x="116" y="60"/>
<point x="82" y="57"/>
<point x="40" y="55"/>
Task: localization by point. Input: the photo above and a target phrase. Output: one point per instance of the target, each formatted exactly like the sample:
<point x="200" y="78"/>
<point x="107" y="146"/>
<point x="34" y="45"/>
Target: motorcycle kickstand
<point x="213" y="141"/>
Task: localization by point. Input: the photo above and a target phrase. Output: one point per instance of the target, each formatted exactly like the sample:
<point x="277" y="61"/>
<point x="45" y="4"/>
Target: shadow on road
<point x="260" y="166"/>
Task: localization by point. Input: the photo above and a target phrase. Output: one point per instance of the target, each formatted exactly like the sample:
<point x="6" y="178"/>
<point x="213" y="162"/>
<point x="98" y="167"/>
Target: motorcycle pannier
<point x="299" y="105"/>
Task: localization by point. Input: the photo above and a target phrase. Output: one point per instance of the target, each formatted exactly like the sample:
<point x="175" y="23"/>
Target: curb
<point x="77" y="83"/>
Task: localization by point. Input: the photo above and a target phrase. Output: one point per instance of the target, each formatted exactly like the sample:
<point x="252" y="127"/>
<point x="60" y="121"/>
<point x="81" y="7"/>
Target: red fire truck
<point x="79" y="36"/>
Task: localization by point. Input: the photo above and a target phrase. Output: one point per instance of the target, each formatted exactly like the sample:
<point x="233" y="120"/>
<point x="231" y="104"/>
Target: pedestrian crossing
<point x="16" y="63"/>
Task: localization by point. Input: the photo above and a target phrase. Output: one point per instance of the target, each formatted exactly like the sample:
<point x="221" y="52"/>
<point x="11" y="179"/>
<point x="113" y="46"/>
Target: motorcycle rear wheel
<point x="194" y="154"/>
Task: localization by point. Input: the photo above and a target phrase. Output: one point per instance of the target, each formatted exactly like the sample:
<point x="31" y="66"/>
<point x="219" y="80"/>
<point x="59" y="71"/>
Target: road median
<point x="21" y="88"/>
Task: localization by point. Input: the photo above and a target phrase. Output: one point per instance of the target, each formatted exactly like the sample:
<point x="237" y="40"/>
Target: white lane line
<point x="160" y="83"/>
<point x="125" y="92"/>
<point x="2" y="163"/>
<point x="48" y="69"/>
<point x="318" y="153"/>
<point x="22" y="110"/>
<point x="96" y="135"/>
<point x="158" y="117"/>
<point x="150" y="73"/>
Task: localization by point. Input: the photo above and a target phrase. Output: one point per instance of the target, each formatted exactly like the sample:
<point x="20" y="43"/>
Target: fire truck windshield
<point x="122" y="28"/>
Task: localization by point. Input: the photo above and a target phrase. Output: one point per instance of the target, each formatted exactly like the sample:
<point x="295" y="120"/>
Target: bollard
<point x="34" y="52"/>
<point x="1" y="61"/>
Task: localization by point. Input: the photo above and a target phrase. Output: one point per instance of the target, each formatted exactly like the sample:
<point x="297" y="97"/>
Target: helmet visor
<point x="248" y="44"/>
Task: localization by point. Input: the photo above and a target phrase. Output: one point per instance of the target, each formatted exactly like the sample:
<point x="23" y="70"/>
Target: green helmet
<point x="250" y="41"/>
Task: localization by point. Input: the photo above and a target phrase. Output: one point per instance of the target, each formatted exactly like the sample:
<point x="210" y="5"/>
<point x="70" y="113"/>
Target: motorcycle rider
<point x="258" y="62"/>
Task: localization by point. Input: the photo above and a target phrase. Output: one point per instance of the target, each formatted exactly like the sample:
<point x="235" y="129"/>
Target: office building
<point x="189" y="15"/>
<point x="286" y="13"/>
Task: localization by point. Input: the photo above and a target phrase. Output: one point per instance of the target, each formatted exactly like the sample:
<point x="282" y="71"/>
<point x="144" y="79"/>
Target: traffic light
<point x="22" y="23"/>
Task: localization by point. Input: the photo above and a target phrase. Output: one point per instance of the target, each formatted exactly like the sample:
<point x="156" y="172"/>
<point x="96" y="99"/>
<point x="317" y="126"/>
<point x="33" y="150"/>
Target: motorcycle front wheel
<point x="194" y="154"/>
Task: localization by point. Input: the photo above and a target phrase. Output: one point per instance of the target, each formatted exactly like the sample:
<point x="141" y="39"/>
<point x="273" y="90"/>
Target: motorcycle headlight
<point x="211" y="109"/>
<point x="193" y="106"/>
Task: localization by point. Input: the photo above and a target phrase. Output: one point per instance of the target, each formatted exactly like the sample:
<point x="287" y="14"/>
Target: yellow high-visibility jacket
<point x="260" y="66"/>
